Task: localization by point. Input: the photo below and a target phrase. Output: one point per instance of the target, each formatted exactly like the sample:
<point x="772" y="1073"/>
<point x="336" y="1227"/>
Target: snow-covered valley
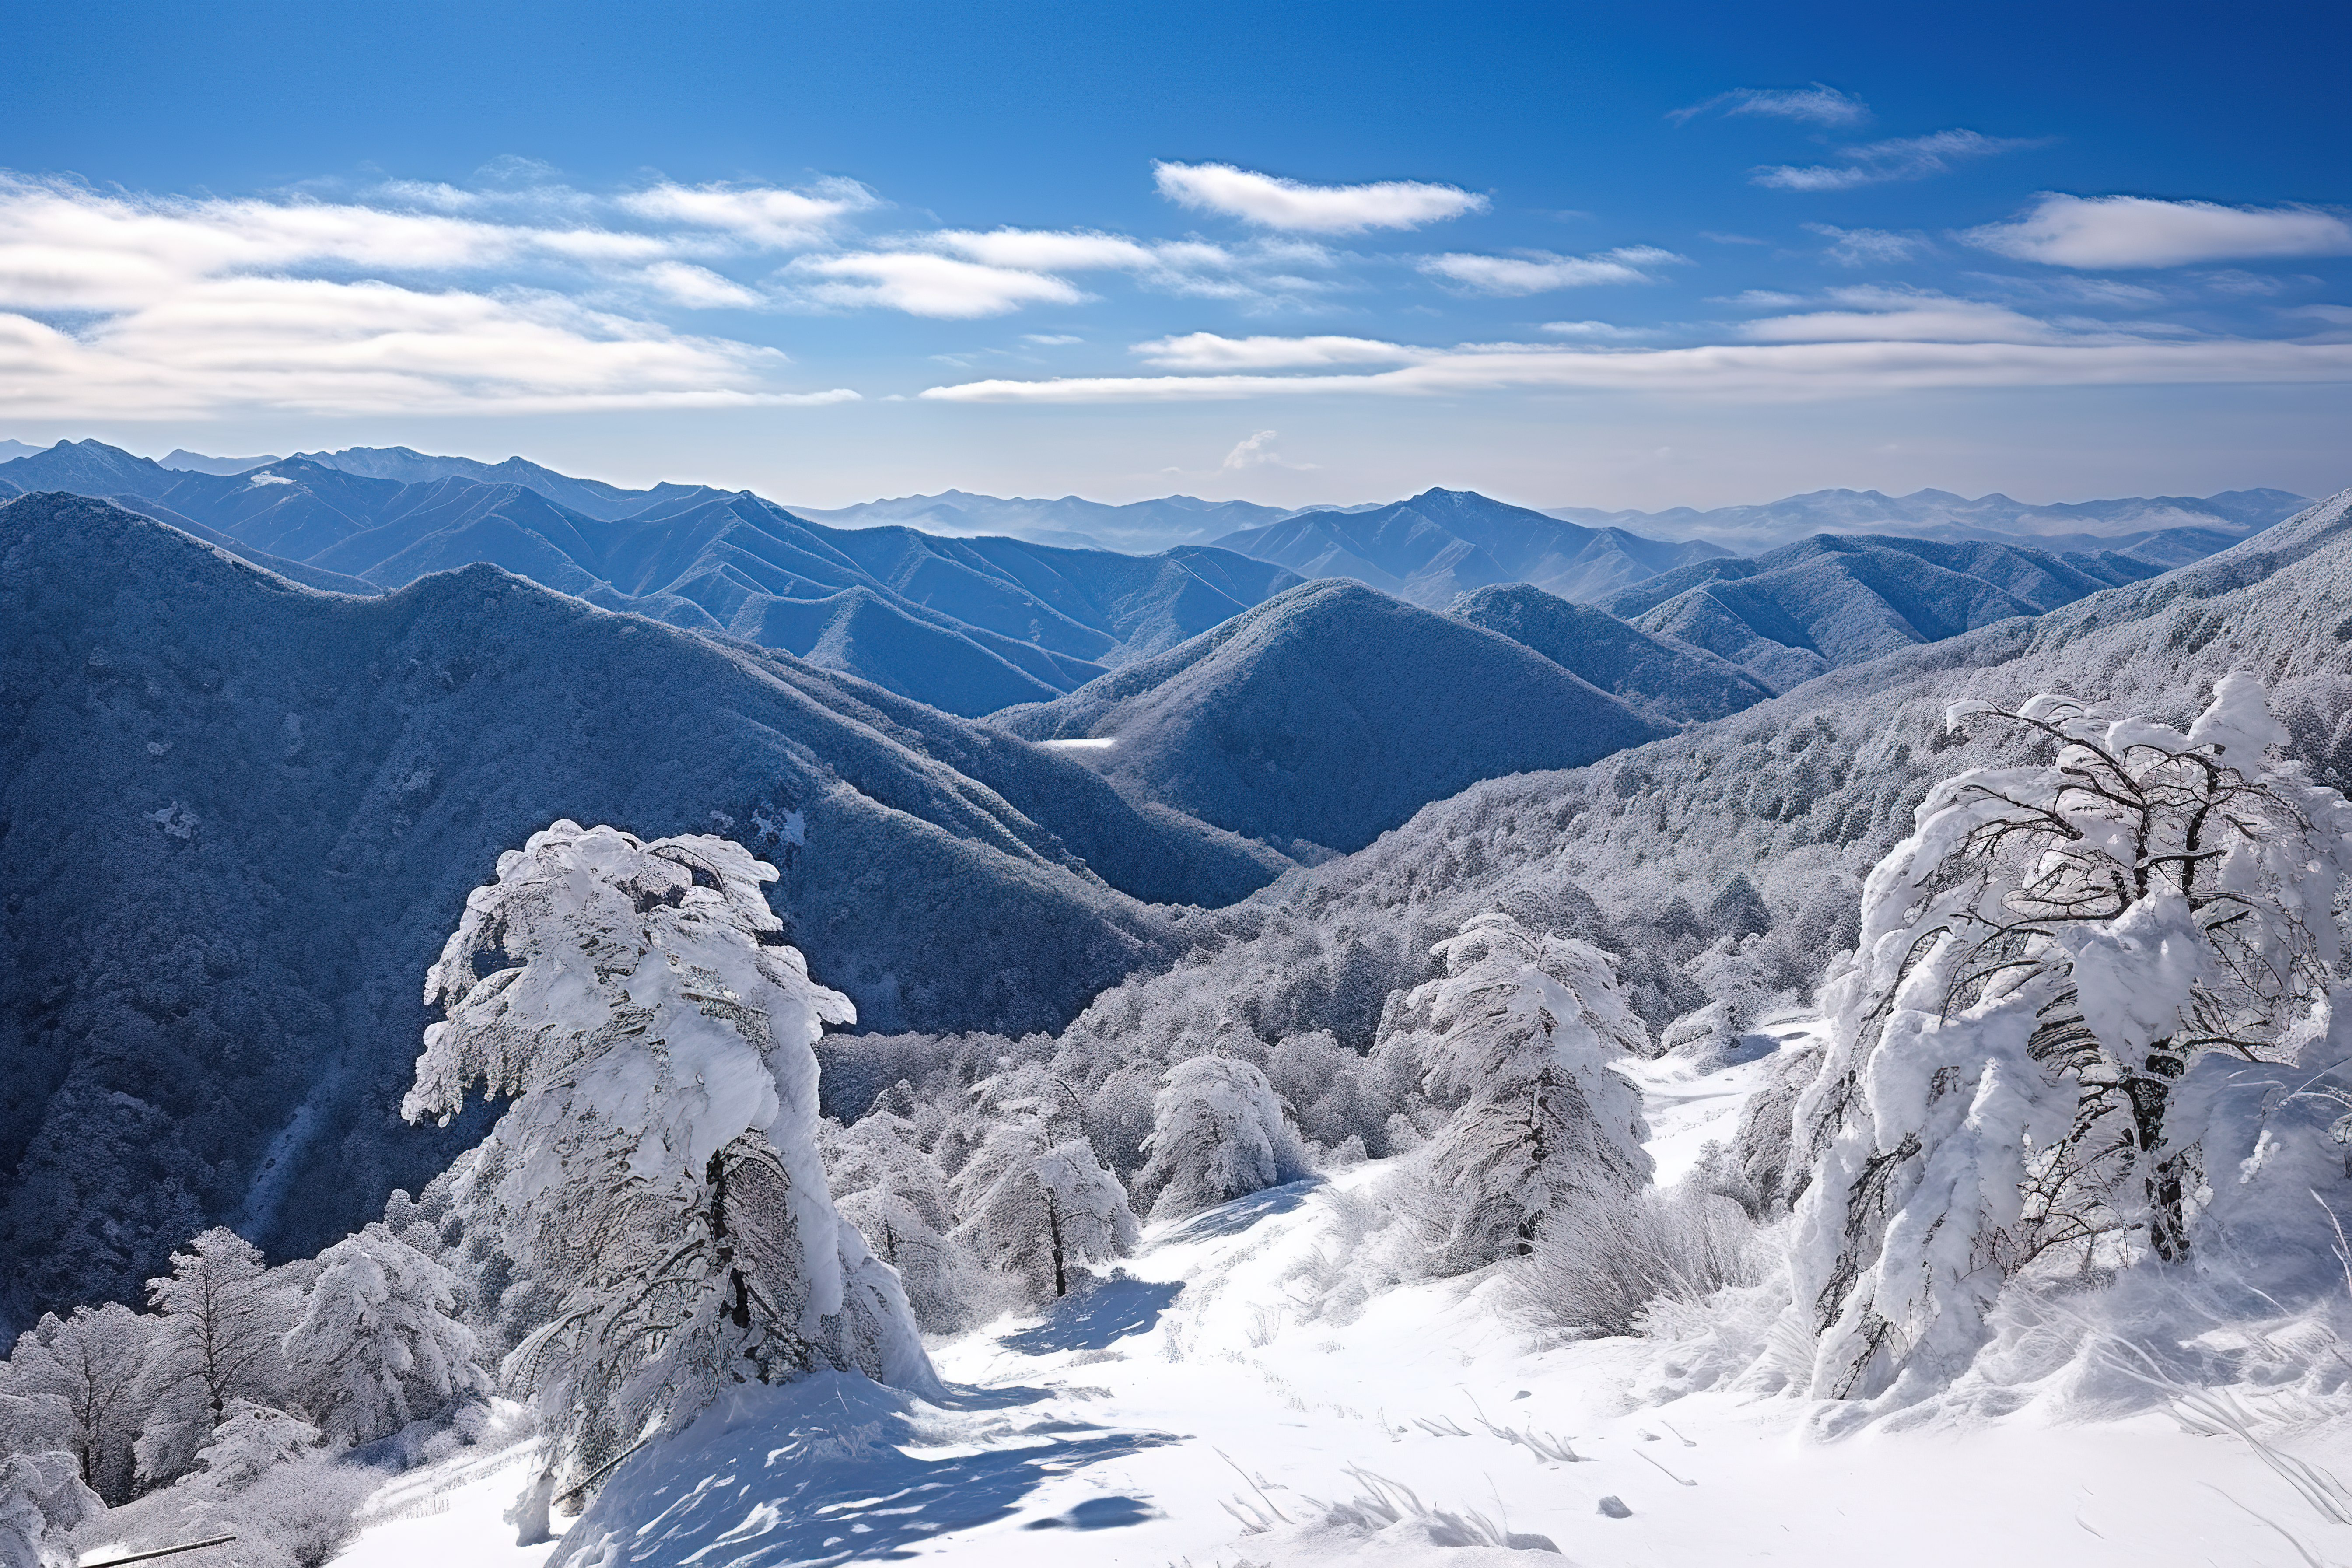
<point x="1199" y="1404"/>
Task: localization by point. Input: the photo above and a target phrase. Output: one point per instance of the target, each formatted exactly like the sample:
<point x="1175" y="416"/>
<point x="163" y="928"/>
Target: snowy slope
<point x="1660" y="678"/>
<point x="1443" y="543"/>
<point x="1330" y="713"/>
<point x="242" y="817"/>
<point x="1200" y="1405"/>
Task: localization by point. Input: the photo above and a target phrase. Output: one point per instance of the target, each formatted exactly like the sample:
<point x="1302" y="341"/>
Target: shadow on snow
<point x="835" y="1468"/>
<point x="1234" y="1217"/>
<point x="1097" y="1314"/>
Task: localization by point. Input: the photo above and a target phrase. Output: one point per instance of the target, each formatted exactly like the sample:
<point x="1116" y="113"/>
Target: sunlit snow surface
<point x="1167" y="1414"/>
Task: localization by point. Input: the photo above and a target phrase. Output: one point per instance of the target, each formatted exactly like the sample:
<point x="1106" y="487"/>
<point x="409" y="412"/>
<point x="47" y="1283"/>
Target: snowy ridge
<point x="301" y="788"/>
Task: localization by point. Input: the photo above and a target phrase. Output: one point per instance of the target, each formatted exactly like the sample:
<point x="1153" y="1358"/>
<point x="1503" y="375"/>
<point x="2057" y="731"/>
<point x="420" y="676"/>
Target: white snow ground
<point x="1187" y="1411"/>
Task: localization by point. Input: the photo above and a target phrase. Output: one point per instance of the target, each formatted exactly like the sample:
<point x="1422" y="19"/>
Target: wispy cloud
<point x="1273" y="202"/>
<point x="1597" y="332"/>
<point x="1541" y="271"/>
<point x="1869" y="247"/>
<point x="1828" y="365"/>
<point x="1880" y="162"/>
<point x="2139" y="231"/>
<point x="1901" y="315"/>
<point x="137" y="306"/>
<point x="921" y="284"/>
<point x="1820" y="104"/>
<point x="1258" y="451"/>
<point x="1208" y="351"/>
<point x="764" y="216"/>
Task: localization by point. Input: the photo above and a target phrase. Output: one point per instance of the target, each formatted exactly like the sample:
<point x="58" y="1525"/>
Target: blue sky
<point x="1634" y="257"/>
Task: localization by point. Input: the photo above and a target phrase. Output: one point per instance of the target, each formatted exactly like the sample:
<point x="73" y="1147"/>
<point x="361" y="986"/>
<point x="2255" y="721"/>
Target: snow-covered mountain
<point x="1789" y="614"/>
<point x="1443" y="543"/>
<point x="1660" y="678"/>
<point x="963" y="624"/>
<point x="2137" y="521"/>
<point x="1330" y="713"/>
<point x="241" y="816"/>
<point x="1144" y="525"/>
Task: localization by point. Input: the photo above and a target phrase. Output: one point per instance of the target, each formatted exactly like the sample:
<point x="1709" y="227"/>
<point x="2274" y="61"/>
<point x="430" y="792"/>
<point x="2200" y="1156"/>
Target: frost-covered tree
<point x="2040" y="963"/>
<point x="1218" y="1132"/>
<point x="378" y="1344"/>
<point x="42" y="1499"/>
<point x="86" y="1374"/>
<point x="1036" y="1199"/>
<point x="889" y="1187"/>
<point x="223" y="1318"/>
<point x="251" y="1441"/>
<point x="657" y="1171"/>
<point x="1517" y="1035"/>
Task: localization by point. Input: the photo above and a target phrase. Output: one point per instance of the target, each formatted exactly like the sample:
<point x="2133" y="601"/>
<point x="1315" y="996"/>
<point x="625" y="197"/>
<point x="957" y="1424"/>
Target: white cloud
<point x="1869" y="247"/>
<point x="699" y="286"/>
<point x="1901" y="315"/>
<point x="765" y="216"/>
<point x="1046" y="250"/>
<point x="1050" y="339"/>
<point x="1539" y="271"/>
<point x="1207" y="351"/>
<point x="166" y="306"/>
<point x="1878" y="162"/>
<point x="1595" y="331"/>
<point x="2138" y="231"/>
<point x="1276" y="203"/>
<point x="924" y="285"/>
<point x="1820" y="104"/>
<point x="1257" y="451"/>
<point x="1734" y="371"/>
<point x="2237" y="281"/>
<point x="321" y="346"/>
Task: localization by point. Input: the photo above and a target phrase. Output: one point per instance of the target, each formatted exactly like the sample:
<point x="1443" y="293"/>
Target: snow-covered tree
<point x="42" y="1499"/>
<point x="86" y="1373"/>
<point x="657" y="1171"/>
<point x="378" y="1344"/>
<point x="1517" y="1035"/>
<point x="890" y="1188"/>
<point x="1218" y="1132"/>
<point x="1036" y="1201"/>
<point x="2041" y="963"/>
<point x="251" y="1441"/>
<point x="218" y="1342"/>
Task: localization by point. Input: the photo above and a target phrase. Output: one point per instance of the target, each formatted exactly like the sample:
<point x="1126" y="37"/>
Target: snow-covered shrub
<point x="377" y="1345"/>
<point x="42" y="1499"/>
<point x="223" y="1320"/>
<point x="1218" y="1132"/>
<point x="657" y="1172"/>
<point x="1035" y="1200"/>
<point x="890" y="1188"/>
<point x="1603" y="1259"/>
<point x="250" y="1441"/>
<point x="78" y="1383"/>
<point x="2043" y="963"/>
<point x="1518" y="1036"/>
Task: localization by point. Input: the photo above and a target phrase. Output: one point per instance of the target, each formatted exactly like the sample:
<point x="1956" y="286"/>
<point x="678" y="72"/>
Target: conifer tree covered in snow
<point x="1517" y="1035"/>
<point x="1218" y="1132"/>
<point x="658" y="1171"/>
<point x="1036" y="1200"/>
<point x="223" y="1320"/>
<point x="2041" y="964"/>
<point x="378" y="1344"/>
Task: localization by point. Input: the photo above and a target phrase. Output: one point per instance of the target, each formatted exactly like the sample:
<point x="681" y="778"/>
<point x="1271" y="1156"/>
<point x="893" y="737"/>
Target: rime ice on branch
<point x="657" y="1171"/>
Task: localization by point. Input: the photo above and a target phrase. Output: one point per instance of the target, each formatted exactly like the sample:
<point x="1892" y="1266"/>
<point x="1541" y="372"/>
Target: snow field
<point x="1190" y="1407"/>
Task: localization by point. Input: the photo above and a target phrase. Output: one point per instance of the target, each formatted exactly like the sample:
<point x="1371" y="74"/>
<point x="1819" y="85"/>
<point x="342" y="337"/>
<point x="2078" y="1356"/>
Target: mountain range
<point x="2139" y="522"/>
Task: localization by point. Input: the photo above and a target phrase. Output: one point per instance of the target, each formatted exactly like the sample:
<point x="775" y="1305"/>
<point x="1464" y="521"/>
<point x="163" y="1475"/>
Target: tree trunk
<point x="1054" y="1225"/>
<point x="2149" y="1093"/>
